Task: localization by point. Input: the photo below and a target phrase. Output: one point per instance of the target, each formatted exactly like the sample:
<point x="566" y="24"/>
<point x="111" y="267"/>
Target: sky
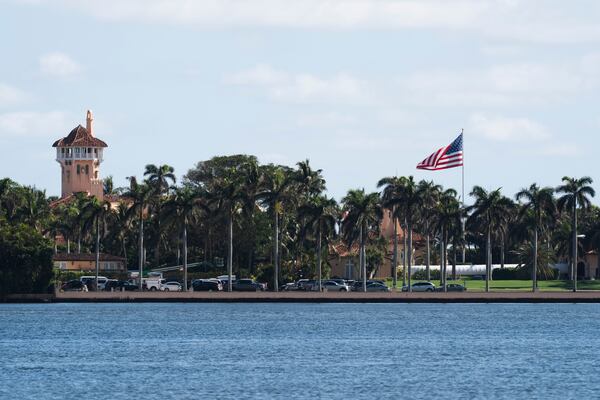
<point x="362" y="88"/>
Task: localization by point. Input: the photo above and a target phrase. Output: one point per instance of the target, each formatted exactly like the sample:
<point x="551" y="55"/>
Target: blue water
<point x="331" y="351"/>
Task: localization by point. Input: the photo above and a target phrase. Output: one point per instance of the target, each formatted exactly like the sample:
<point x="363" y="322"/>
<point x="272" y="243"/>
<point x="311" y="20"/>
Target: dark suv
<point x="248" y="285"/>
<point x="73" y="286"/>
<point x="205" y="285"/>
<point x="118" y="285"/>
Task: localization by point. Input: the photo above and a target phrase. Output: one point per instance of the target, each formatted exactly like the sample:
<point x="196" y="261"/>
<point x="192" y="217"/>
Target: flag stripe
<point x="450" y="156"/>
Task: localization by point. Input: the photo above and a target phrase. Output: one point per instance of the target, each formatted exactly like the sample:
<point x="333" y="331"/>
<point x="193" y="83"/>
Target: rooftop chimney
<point x="89" y="120"/>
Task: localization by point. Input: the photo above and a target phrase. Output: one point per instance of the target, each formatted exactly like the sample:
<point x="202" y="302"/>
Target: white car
<point x="420" y="287"/>
<point x="332" y="286"/>
<point x="170" y="287"/>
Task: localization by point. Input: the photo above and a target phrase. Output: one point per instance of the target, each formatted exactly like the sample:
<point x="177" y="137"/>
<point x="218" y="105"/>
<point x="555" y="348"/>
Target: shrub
<point x="422" y="275"/>
<point x="25" y="260"/>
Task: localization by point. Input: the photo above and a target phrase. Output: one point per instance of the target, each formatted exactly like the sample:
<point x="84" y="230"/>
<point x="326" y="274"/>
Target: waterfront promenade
<point x="315" y="297"/>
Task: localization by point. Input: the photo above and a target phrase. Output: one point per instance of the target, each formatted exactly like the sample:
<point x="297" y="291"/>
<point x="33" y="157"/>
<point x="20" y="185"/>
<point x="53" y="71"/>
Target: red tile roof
<point x="79" y="137"/>
<point x="341" y="249"/>
<point x="85" y="257"/>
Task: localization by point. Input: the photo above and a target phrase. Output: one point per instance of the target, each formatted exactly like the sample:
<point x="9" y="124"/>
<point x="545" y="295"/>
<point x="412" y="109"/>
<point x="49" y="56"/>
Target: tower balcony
<point x="70" y="153"/>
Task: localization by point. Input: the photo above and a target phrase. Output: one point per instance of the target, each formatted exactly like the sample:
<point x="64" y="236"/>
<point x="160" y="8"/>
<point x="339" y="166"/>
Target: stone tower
<point x="79" y="155"/>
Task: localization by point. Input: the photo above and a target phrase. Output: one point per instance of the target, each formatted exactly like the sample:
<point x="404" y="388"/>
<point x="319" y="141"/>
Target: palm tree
<point x="448" y="214"/>
<point x="159" y="179"/>
<point x="94" y="213"/>
<point x="139" y="197"/>
<point x="321" y="215"/>
<point x="390" y="199"/>
<point x="310" y="182"/>
<point x="119" y="229"/>
<point x="227" y="193"/>
<point x="278" y="184"/>
<point x="35" y="208"/>
<point x="577" y="193"/>
<point x="429" y="194"/>
<point x="540" y="201"/>
<point x="409" y="200"/>
<point x="490" y="210"/>
<point x="363" y="215"/>
<point x="182" y="208"/>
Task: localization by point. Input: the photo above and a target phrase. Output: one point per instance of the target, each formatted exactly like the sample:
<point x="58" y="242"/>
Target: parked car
<point x="207" y="285"/>
<point x="248" y="285"/>
<point x="377" y="287"/>
<point x="306" y="284"/>
<point x="420" y="287"/>
<point x="288" y="287"/>
<point x="452" y="287"/>
<point x="152" y="284"/>
<point x="117" y="286"/>
<point x="333" y="286"/>
<point x="74" y="286"/>
<point x="90" y="281"/>
<point x="339" y="280"/>
<point x="357" y="286"/>
<point x="170" y="286"/>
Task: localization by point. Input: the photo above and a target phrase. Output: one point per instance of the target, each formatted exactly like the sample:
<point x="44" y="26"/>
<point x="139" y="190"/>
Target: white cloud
<point x="329" y="120"/>
<point x="52" y="124"/>
<point x="501" y="85"/>
<point x="507" y="129"/>
<point x="561" y="150"/>
<point x="59" y="65"/>
<point x="545" y="21"/>
<point x="10" y="95"/>
<point x="302" y="87"/>
<point x="259" y="75"/>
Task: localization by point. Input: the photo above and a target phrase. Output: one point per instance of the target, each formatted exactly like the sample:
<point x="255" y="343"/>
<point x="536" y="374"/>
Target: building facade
<point x="345" y="261"/>
<point x="86" y="262"/>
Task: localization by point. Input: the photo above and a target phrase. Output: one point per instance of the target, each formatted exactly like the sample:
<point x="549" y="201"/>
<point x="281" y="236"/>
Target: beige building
<point x="86" y="262"/>
<point x="80" y="154"/>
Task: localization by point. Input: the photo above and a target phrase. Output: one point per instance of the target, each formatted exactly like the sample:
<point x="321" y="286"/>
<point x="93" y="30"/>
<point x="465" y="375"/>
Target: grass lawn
<point x="479" y="285"/>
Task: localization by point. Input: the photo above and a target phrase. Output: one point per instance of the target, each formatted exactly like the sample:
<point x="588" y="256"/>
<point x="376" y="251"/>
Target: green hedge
<point x="518" y="273"/>
<point x="25" y="260"/>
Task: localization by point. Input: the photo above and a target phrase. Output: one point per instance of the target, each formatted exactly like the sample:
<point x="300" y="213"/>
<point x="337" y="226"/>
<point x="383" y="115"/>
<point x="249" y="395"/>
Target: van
<point x="89" y="281"/>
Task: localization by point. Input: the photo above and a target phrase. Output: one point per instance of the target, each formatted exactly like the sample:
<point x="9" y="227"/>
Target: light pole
<point x="574" y="276"/>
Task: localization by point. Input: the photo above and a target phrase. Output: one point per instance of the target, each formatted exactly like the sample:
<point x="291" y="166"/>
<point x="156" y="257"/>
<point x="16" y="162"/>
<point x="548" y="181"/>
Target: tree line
<point x="276" y="223"/>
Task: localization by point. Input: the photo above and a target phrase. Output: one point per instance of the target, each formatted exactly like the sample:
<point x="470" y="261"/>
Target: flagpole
<point x="463" y="194"/>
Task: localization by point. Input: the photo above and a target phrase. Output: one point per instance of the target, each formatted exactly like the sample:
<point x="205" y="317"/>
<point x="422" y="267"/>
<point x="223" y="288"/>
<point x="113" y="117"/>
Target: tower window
<point x="87" y="169"/>
<point x="78" y="169"/>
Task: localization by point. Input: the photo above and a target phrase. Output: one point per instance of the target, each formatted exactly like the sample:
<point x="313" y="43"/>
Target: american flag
<point x="447" y="157"/>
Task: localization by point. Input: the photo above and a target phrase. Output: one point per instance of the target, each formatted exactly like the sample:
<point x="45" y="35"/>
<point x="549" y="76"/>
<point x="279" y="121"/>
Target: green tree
<point x="94" y="215"/>
<point x="448" y="214"/>
<point x="159" y="179"/>
<point x="363" y="214"/>
<point x="138" y="197"/>
<point x="540" y="201"/>
<point x="489" y="211"/>
<point x="429" y="194"/>
<point x="278" y="190"/>
<point x="182" y="209"/>
<point x="25" y="259"/>
<point x="576" y="194"/>
<point x="391" y="199"/>
<point x="321" y="216"/>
